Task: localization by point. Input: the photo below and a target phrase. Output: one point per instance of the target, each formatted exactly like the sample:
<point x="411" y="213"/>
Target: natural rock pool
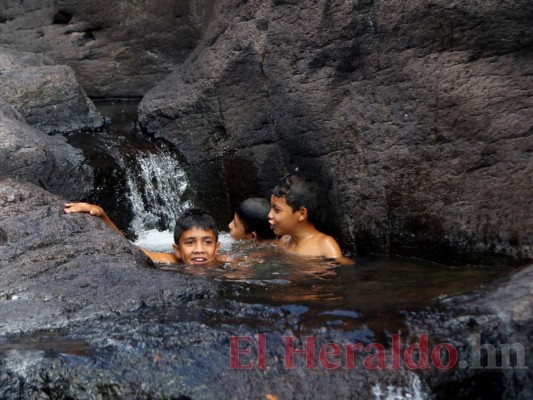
<point x="416" y="117"/>
<point x="85" y="316"/>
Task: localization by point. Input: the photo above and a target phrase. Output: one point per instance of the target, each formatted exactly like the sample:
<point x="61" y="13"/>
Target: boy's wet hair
<point x="253" y="213"/>
<point x="194" y="218"/>
<point x="300" y="192"/>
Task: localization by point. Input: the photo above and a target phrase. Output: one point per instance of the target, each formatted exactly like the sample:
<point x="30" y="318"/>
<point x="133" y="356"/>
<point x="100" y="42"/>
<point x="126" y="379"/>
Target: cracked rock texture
<point x="30" y="155"/>
<point x="47" y="95"/>
<point x="416" y="117"/>
<point x="116" y="48"/>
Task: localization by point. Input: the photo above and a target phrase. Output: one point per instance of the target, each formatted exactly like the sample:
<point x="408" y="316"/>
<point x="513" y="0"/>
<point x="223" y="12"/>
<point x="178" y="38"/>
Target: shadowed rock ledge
<point x="47" y="95"/>
<point x="28" y="154"/>
<point x="117" y="49"/>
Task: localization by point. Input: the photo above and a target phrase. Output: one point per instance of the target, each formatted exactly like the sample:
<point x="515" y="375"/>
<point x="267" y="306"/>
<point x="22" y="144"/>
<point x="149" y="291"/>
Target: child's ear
<point x="302" y="214"/>
<point x="254" y="235"/>
<point x="177" y="252"/>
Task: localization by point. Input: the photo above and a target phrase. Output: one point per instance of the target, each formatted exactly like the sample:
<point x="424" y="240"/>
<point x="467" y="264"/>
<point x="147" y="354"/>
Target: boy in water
<point x="294" y="209"/>
<point x="195" y="236"/>
<point x="250" y="220"/>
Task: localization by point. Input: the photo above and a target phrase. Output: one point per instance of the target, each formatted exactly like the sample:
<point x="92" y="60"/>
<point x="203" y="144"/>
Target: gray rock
<point x="116" y="49"/>
<point x="49" y="96"/>
<point x="72" y="267"/>
<point x="27" y="154"/>
<point x="416" y="119"/>
<point x="480" y="326"/>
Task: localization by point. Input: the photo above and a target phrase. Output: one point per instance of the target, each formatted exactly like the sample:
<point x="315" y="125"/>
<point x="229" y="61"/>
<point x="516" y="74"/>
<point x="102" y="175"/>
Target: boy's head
<point x="294" y="199"/>
<point x="195" y="238"/>
<point x="251" y="220"/>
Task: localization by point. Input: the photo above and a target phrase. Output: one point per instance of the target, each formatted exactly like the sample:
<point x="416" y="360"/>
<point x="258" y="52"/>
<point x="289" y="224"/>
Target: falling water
<point x="140" y="183"/>
<point x="157" y="186"/>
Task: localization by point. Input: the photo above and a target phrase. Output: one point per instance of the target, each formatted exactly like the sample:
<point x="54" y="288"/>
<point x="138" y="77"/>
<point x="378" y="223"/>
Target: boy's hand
<point x="84" y="208"/>
<point x="90" y="209"/>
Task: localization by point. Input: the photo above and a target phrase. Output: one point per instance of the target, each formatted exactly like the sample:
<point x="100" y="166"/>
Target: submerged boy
<point x="293" y="213"/>
<point x="250" y="220"/>
<point x="195" y="236"/>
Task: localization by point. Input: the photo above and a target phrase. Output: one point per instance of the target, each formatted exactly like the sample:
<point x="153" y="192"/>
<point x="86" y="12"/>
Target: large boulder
<point x="71" y="267"/>
<point x="47" y="95"/>
<point x="28" y="154"/>
<point x="117" y="49"/>
<point x="492" y="331"/>
<point x="415" y="117"/>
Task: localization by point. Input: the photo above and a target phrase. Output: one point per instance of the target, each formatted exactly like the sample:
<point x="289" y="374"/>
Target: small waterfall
<point x="139" y="182"/>
<point x="157" y="187"/>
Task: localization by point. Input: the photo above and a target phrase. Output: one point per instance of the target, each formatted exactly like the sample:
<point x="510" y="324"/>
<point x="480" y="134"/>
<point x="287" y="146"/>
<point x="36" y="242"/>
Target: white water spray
<point x="156" y="184"/>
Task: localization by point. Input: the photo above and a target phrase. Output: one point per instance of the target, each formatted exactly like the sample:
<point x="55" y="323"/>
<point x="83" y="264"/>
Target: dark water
<point x="51" y="344"/>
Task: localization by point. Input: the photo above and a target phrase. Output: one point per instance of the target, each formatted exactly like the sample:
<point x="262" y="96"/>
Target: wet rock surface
<point x="47" y="95"/>
<point x="75" y="265"/>
<point x="415" y="118"/>
<point x="492" y="331"/>
<point x="117" y="49"/>
<point x="30" y="155"/>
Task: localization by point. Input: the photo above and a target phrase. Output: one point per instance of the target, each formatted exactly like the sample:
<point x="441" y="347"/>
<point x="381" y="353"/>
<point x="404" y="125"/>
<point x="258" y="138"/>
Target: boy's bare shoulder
<point x="331" y="249"/>
<point x="328" y="246"/>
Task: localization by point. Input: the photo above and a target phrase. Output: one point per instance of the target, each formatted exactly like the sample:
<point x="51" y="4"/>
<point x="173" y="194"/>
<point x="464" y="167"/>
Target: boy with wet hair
<point x="250" y="220"/>
<point x="295" y="208"/>
<point x="195" y="236"/>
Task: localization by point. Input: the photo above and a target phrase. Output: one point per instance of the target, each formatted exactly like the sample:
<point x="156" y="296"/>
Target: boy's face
<point x="282" y="218"/>
<point x="197" y="247"/>
<point x="236" y="229"/>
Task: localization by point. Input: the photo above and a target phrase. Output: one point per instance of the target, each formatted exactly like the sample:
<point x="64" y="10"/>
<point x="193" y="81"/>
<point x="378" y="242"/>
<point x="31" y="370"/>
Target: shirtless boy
<point x="294" y="207"/>
<point x="195" y="236"/>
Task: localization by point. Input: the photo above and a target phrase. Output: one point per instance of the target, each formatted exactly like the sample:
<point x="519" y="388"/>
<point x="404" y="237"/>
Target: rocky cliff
<point x="415" y="117"/>
<point x="116" y="48"/>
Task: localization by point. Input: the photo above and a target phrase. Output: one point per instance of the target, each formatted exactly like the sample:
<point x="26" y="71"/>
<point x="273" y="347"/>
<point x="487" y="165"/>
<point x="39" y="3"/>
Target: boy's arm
<point x="91" y="209"/>
<point x="99" y="212"/>
<point x="158" y="258"/>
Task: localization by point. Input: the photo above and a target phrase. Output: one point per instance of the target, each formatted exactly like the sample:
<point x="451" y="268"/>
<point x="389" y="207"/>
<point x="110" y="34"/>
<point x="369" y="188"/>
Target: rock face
<point x="117" y="49"/>
<point x="27" y="154"/>
<point x="416" y="118"/>
<point x="47" y="95"/>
